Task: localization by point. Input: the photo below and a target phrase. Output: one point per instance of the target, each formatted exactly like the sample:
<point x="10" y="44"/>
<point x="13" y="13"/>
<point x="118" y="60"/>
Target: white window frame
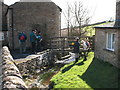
<point x="111" y="41"/>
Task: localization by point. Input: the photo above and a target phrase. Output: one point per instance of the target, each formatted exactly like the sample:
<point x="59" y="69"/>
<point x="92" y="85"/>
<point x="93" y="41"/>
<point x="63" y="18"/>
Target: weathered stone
<point x="6" y="52"/>
<point x="12" y="86"/>
<point x="14" y="80"/>
<point x="11" y="75"/>
<point x="9" y="84"/>
<point x="34" y="63"/>
<point x="27" y="67"/>
<point x="38" y="71"/>
<point x="100" y="46"/>
<point x="10" y="67"/>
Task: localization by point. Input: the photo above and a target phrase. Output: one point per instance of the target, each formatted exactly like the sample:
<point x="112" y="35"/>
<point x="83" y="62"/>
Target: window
<point x="110" y="44"/>
<point x="1" y="36"/>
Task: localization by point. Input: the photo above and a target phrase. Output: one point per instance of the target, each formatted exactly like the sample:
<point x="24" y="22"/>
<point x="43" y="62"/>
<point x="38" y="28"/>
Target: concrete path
<point x="68" y="60"/>
<point x="39" y="55"/>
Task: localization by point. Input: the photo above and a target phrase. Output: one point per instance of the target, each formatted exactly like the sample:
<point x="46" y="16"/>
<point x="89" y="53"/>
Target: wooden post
<point x="50" y="43"/>
<point x="63" y="45"/>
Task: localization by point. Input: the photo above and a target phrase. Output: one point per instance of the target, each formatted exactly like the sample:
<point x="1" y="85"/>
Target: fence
<point x="63" y="43"/>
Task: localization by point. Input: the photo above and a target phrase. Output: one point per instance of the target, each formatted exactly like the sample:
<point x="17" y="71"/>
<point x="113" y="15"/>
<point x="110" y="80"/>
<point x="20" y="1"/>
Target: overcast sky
<point x="100" y="10"/>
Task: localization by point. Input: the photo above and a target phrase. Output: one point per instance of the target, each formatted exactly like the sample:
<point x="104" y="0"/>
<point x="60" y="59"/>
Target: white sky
<point x="100" y="10"/>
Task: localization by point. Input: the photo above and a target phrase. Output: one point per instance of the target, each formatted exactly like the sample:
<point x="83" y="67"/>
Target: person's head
<point x="77" y="38"/>
<point x="39" y="32"/>
<point x="86" y="39"/>
<point x="34" y="31"/>
<point x="22" y="32"/>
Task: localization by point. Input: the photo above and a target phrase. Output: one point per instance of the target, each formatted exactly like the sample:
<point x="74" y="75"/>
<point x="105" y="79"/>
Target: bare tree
<point x="67" y="15"/>
<point x="77" y="16"/>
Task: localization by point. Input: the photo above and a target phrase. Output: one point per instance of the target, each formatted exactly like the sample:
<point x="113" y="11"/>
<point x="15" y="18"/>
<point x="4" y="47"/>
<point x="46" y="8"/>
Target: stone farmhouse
<point x="107" y="40"/>
<point x="25" y="16"/>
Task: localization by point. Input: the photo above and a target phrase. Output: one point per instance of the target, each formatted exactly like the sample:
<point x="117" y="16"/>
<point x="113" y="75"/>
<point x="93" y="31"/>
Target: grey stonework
<point x="32" y="63"/>
<point x="43" y="16"/>
<point x="117" y="14"/>
<point x="12" y="78"/>
<point x="100" y="46"/>
<point x="15" y="70"/>
<point x="3" y="19"/>
<point x="101" y="52"/>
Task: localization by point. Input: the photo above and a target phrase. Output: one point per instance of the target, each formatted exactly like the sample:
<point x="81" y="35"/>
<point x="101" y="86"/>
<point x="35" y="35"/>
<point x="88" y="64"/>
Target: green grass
<point x="88" y="74"/>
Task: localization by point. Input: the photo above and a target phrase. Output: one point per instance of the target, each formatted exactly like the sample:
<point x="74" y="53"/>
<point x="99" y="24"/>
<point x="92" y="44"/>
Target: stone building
<point x="4" y="30"/>
<point x="107" y="40"/>
<point x="25" y="16"/>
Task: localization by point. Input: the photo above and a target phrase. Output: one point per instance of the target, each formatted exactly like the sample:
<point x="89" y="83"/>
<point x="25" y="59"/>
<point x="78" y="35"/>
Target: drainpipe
<point x="12" y="28"/>
<point x="60" y="24"/>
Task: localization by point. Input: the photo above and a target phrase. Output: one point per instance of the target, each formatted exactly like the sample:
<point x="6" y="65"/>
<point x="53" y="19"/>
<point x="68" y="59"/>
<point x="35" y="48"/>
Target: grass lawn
<point x="88" y="74"/>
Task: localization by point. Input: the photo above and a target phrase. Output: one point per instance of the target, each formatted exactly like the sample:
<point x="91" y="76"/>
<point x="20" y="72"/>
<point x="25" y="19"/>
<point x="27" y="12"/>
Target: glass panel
<point x="113" y="41"/>
<point x="113" y="37"/>
<point x="109" y="41"/>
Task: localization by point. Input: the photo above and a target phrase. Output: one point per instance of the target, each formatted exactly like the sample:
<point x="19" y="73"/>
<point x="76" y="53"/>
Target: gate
<point x="62" y="44"/>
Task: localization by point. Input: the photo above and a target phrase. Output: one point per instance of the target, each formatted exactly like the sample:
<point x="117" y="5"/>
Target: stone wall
<point x="4" y="23"/>
<point x="100" y="46"/>
<point x="119" y="48"/>
<point x="11" y="75"/>
<point x="15" y="70"/>
<point x="33" y="64"/>
<point x="4" y="17"/>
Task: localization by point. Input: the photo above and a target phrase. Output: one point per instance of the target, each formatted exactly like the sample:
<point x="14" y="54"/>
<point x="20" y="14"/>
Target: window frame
<point x="111" y="41"/>
<point x="2" y="36"/>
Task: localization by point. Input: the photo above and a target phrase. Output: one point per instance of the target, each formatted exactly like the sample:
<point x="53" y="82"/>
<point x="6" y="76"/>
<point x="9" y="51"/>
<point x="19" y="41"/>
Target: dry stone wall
<point x="15" y="70"/>
<point x="11" y="75"/>
<point x="33" y="64"/>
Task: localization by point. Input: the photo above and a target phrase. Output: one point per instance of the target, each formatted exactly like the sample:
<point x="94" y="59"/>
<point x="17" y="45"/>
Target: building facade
<point x="25" y="16"/>
<point x="4" y="30"/>
<point x="107" y="40"/>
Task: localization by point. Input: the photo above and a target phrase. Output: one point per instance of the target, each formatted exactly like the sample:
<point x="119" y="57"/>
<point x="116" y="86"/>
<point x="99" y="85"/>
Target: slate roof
<point x="110" y="25"/>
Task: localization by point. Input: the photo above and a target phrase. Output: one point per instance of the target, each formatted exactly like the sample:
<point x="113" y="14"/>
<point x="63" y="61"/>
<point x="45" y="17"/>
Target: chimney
<point x="117" y="23"/>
